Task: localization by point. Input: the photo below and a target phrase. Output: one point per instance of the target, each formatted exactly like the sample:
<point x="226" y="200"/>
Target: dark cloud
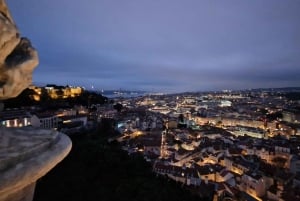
<point x="164" y="45"/>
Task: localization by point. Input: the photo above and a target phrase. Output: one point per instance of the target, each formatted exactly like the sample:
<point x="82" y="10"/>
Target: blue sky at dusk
<point x="165" y="45"/>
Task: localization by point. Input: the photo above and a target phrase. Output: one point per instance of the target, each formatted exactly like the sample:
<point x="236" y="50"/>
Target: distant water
<point x="123" y="94"/>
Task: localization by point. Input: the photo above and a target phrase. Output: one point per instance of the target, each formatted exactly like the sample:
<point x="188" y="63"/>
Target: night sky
<point x="163" y="45"/>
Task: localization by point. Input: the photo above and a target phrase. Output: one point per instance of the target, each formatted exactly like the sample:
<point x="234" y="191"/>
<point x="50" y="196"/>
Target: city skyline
<point x="167" y="46"/>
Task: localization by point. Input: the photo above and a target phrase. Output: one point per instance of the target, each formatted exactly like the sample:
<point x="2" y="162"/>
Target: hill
<point x="98" y="170"/>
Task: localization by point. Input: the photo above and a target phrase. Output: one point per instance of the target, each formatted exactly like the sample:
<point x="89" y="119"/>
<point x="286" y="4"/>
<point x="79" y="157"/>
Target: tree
<point x="118" y="107"/>
<point x="274" y="116"/>
<point x="192" y="110"/>
<point x="279" y="161"/>
<point x="181" y="118"/>
<point x="23" y="99"/>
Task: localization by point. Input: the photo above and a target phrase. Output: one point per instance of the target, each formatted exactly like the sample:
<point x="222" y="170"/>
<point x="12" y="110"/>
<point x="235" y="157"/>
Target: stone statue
<point x="26" y="154"/>
<point x="17" y="57"/>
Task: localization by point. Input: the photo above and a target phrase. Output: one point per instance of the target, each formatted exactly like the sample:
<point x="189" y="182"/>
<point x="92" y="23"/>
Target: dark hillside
<point x="96" y="170"/>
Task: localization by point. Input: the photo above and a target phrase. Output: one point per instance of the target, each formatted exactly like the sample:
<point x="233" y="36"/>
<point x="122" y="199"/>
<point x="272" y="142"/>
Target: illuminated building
<point x="45" y="120"/>
<point x="56" y="92"/>
<point x="253" y="184"/>
<point x="15" y="118"/>
<point x="163" y="150"/>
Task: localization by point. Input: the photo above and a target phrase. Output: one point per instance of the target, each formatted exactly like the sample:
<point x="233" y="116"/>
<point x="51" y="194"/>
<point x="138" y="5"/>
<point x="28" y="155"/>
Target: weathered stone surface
<point x="26" y="154"/>
<point x="16" y="146"/>
<point x="17" y="57"/>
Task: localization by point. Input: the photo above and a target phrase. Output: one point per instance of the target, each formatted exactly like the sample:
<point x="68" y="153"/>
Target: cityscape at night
<point x="144" y="100"/>
<point x="237" y="145"/>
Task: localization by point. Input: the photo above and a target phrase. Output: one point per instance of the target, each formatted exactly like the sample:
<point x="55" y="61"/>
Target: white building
<point x="249" y="131"/>
<point x="15" y="118"/>
<point x="253" y="184"/>
<point x="45" y="120"/>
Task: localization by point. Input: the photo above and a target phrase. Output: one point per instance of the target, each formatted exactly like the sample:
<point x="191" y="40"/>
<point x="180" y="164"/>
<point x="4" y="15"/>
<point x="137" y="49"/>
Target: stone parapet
<point x="27" y="154"/>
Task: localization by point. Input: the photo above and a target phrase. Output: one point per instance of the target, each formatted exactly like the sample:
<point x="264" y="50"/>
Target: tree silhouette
<point x="279" y="161"/>
<point x="181" y="118"/>
<point x="118" y="107"/>
<point x="23" y="99"/>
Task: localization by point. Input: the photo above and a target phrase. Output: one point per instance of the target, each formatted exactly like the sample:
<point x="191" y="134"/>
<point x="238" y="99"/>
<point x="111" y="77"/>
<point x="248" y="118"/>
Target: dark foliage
<point x="181" y="118"/>
<point x="118" y="107"/>
<point x="274" y="116"/>
<point x="293" y="95"/>
<point x="107" y="126"/>
<point x="98" y="170"/>
<point x="87" y="98"/>
<point x="24" y="99"/>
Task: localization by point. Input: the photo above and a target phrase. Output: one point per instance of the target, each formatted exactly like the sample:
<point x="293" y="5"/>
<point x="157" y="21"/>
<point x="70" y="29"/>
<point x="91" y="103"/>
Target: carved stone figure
<point x="17" y="57"/>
